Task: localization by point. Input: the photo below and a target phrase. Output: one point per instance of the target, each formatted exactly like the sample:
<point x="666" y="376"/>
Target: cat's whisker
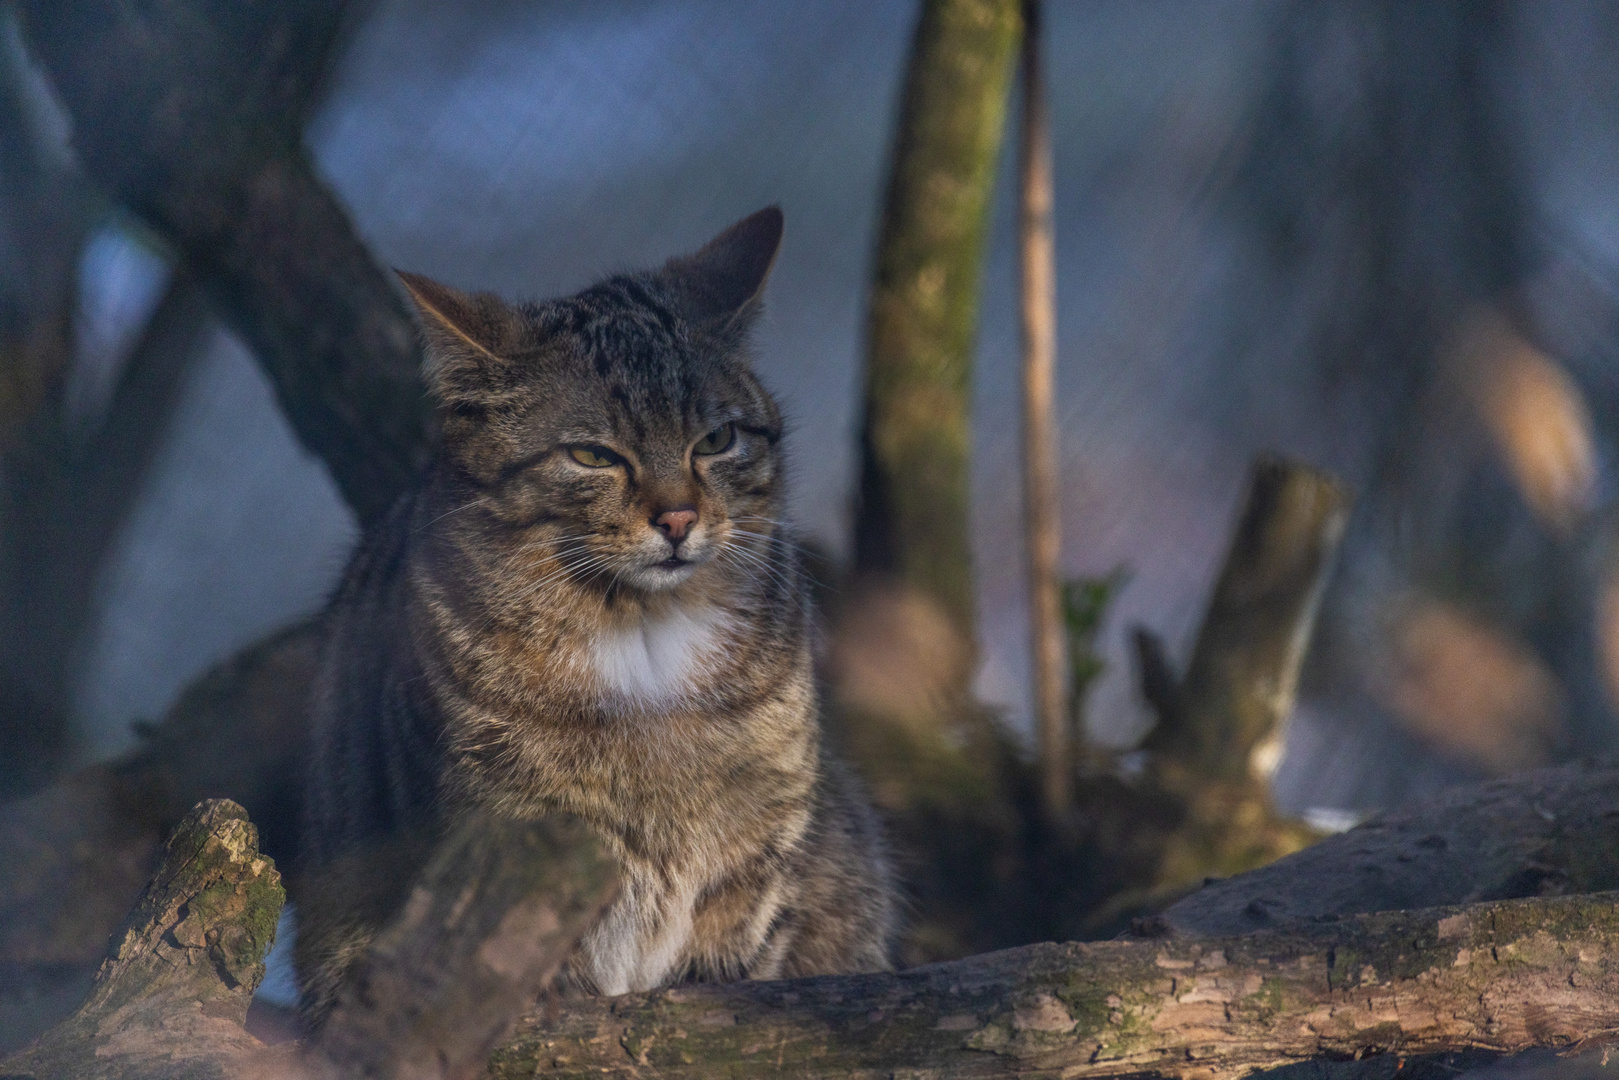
<point x="572" y="568"/>
<point x="777" y="538"/>
<point x="759" y="562"/>
<point x="773" y="546"/>
<point x="448" y="513"/>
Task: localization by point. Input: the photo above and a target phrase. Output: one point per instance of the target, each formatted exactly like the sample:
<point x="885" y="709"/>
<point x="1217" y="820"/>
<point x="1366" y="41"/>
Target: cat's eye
<point x="597" y="457"/>
<point x="717" y="441"/>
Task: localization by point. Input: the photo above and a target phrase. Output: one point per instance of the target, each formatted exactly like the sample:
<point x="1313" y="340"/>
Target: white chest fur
<point x="660" y="658"/>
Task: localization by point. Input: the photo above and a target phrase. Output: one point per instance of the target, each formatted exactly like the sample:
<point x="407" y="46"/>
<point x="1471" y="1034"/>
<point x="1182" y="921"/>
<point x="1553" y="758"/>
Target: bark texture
<point x="171" y="997"/>
<point x="1499" y="976"/>
<point x="1503" y="976"/>
<point x="495" y="913"/>
<point x="489" y="921"/>
<point x="77" y="854"/>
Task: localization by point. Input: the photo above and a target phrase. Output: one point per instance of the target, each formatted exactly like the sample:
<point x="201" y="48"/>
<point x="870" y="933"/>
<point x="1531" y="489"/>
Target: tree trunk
<point x="913" y="513"/>
<point x="1504" y="977"/>
<point x="1041" y="492"/>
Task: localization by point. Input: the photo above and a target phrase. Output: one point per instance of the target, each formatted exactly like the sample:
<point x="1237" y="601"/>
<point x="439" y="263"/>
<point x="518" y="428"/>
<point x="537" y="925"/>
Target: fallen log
<point x="1499" y="977"/>
<point x="1548" y="832"/>
<point x="1502" y="977"/>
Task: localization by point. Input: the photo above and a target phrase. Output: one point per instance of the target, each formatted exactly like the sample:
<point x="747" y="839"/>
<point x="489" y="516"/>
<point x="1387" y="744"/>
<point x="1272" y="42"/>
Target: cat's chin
<point x="662" y="576"/>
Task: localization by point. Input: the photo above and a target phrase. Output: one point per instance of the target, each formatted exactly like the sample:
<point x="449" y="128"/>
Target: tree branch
<point x="493" y="916"/>
<point x="441" y="981"/>
<point x="191" y="112"/>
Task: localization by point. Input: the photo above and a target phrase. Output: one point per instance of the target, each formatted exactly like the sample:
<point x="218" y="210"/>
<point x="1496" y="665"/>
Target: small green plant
<point x="1085" y="603"/>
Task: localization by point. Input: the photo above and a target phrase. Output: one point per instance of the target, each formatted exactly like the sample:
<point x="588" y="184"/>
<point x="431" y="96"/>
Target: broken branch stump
<point x="489" y="921"/>
<point x="171" y="998"/>
<point x="1241" y="680"/>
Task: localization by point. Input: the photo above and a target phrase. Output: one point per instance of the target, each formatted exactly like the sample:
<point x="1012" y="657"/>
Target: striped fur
<point x="513" y="636"/>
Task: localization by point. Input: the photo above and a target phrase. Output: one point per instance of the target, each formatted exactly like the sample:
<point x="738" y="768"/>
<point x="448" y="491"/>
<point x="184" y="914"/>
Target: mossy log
<point x="1504" y="977"/>
<point x="77" y="854"/>
<point x="171" y="999"/>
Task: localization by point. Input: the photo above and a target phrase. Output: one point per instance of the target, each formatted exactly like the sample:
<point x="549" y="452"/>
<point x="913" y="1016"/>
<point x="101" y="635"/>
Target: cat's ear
<point x="463" y="335"/>
<point x="720" y="284"/>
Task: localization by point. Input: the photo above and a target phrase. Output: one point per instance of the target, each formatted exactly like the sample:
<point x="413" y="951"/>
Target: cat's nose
<point x="676" y="523"/>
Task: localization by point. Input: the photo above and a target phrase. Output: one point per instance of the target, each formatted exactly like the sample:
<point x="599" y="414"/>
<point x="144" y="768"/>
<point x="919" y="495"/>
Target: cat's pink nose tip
<point x="676" y="523"/>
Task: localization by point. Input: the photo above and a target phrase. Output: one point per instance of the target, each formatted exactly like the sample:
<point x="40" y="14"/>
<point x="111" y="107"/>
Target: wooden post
<point x="1040" y="494"/>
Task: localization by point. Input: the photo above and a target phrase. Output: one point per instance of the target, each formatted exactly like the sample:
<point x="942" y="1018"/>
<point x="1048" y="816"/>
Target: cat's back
<point x="373" y="755"/>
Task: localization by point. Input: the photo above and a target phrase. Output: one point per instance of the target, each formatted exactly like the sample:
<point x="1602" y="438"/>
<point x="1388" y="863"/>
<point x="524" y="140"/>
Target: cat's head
<point x="621" y="429"/>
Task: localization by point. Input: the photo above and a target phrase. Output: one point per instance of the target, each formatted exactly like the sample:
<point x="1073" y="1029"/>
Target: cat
<point x="589" y="604"/>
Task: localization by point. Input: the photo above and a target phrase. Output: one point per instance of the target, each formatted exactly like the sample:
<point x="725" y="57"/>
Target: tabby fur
<point x="519" y="634"/>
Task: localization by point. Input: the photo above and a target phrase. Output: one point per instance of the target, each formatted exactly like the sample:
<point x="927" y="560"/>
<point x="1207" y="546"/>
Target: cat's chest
<point x="657" y="660"/>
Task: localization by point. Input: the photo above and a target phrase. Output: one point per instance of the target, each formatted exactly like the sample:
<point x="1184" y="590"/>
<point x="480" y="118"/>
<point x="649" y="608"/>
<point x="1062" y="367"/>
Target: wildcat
<point x="589" y="605"/>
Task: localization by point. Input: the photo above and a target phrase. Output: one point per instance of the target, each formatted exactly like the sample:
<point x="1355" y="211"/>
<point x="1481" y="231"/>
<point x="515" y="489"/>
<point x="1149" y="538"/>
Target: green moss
<point x="1272" y="995"/>
<point x="1089" y="1009"/>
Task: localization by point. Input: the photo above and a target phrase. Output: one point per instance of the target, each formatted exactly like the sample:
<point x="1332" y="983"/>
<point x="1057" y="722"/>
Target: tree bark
<point x="1499" y="976"/>
<point x="913" y="512"/>
<point x="171" y="998"/>
<point x="495" y="913"/>
<point x="78" y="853"/>
<point x="1548" y="832"/>
<point x="1209" y="769"/>
<point x="1503" y="977"/>
<point x="1243" y="675"/>
<point x="903" y="652"/>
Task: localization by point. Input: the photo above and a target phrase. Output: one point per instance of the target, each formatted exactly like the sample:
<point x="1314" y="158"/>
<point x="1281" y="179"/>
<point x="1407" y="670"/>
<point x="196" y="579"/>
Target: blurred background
<point x="1379" y="238"/>
<point x="1316" y="229"/>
